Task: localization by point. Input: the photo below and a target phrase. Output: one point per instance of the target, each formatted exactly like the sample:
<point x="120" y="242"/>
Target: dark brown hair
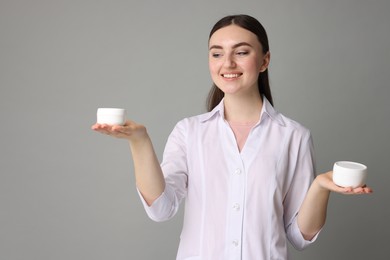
<point x="251" y="24"/>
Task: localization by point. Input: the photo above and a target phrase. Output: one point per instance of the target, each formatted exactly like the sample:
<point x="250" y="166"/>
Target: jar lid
<point x="111" y="111"/>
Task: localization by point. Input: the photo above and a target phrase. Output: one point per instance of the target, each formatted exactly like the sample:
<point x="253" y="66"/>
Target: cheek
<point x="255" y="64"/>
<point x="253" y="67"/>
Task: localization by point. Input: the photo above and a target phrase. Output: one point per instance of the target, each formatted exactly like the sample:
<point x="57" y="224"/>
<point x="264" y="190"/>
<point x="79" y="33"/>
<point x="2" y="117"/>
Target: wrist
<point x="137" y="134"/>
<point x="140" y="140"/>
<point x="317" y="185"/>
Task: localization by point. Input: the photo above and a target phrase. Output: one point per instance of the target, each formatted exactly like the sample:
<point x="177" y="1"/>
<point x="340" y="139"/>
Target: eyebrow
<point x="234" y="46"/>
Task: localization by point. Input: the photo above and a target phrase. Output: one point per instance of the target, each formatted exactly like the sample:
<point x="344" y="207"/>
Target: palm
<point x="130" y="130"/>
<point x="325" y="180"/>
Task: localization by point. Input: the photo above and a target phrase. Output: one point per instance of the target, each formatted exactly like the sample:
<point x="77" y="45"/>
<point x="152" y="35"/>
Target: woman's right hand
<point x="130" y="130"/>
<point x="148" y="174"/>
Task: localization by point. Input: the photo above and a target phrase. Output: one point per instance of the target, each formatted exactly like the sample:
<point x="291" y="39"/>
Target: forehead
<point x="231" y="35"/>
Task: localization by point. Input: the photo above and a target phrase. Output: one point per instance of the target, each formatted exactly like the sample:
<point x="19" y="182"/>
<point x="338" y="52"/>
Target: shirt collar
<point x="218" y="109"/>
<point x="270" y="111"/>
<point x="267" y="109"/>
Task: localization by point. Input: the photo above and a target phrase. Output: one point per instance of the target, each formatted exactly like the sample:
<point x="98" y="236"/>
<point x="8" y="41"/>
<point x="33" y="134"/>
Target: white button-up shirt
<point x="238" y="205"/>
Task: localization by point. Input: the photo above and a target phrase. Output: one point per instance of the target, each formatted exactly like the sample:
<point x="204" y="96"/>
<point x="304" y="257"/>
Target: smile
<point x="231" y="76"/>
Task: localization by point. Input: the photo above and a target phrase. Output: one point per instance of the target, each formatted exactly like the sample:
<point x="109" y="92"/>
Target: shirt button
<point x="238" y="171"/>
<point x="235" y="243"/>
<point x="236" y="207"/>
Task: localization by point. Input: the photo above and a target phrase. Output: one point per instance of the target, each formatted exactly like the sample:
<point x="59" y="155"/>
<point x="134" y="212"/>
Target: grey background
<point x="68" y="193"/>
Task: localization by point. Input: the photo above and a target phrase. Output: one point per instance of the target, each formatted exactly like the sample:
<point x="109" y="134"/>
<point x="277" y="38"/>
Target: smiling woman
<point x="253" y="28"/>
<point x="235" y="61"/>
<point x="245" y="171"/>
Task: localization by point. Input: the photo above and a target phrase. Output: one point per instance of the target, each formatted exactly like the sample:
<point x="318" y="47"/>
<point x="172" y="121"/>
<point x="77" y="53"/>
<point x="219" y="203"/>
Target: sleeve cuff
<point x="296" y="238"/>
<point x="162" y="209"/>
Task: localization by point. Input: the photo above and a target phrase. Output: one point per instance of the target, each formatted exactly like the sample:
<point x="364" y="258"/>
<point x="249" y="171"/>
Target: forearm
<point x="148" y="174"/>
<point x="312" y="214"/>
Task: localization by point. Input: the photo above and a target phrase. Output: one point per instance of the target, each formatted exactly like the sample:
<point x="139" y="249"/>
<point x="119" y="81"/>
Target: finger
<point x="103" y="129"/>
<point x="99" y="126"/>
<point x="347" y="190"/>
<point x="343" y="190"/>
<point x="118" y="128"/>
<point x="368" y="190"/>
<point x="358" y="190"/>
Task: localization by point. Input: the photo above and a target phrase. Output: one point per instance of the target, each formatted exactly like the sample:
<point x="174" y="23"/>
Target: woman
<point x="246" y="172"/>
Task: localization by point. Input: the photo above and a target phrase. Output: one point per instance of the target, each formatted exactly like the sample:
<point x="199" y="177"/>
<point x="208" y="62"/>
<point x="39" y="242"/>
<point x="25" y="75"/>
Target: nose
<point x="229" y="61"/>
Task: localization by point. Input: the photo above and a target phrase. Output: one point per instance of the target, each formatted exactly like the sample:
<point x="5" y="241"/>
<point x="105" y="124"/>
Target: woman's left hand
<point x="325" y="181"/>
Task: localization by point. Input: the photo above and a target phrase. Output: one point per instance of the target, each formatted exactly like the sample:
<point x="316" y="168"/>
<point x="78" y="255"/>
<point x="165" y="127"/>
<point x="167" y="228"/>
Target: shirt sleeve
<point x="174" y="167"/>
<point x="295" y="235"/>
<point x="303" y="172"/>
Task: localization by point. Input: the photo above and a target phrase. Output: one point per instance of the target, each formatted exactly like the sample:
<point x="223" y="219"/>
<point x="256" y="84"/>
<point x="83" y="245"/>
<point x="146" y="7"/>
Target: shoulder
<point x="197" y="120"/>
<point x="288" y="126"/>
<point x="293" y="124"/>
<point x="281" y="121"/>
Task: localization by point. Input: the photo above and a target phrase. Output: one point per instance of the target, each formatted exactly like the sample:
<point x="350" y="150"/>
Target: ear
<point x="266" y="60"/>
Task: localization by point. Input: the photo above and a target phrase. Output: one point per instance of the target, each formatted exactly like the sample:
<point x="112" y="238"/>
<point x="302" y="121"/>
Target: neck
<point x="243" y="109"/>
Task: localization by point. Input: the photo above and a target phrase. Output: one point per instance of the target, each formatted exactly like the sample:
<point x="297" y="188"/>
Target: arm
<point x="312" y="213"/>
<point x="148" y="174"/>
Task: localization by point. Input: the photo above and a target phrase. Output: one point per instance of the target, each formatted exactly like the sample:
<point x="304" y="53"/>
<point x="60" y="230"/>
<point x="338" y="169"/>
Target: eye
<point x="216" y="55"/>
<point x="242" y="53"/>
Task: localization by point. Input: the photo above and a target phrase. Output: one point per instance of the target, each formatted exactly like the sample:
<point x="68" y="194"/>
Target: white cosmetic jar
<point x="111" y="116"/>
<point x="349" y="174"/>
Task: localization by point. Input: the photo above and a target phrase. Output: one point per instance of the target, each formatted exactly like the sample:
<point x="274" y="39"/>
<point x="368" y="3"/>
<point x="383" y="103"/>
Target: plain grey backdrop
<point x="67" y="192"/>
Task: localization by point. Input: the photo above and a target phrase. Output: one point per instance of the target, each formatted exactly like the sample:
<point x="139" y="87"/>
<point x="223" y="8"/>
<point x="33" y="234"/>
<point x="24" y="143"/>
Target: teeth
<point x="230" y="75"/>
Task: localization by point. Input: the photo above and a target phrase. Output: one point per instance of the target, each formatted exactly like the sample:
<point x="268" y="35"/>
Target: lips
<point x="231" y="75"/>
